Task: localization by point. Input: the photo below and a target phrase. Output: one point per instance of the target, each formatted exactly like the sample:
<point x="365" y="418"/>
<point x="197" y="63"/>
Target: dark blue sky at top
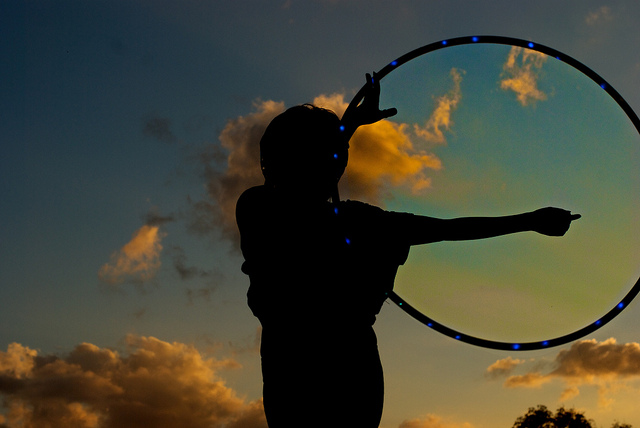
<point x="79" y="80"/>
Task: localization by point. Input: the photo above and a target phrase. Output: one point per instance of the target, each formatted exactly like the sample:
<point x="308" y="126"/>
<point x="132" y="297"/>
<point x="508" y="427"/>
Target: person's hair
<point x="303" y="138"/>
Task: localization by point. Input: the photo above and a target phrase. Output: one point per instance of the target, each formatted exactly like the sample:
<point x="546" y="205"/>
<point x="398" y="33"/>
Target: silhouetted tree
<point x="571" y="419"/>
<point x="541" y="417"/>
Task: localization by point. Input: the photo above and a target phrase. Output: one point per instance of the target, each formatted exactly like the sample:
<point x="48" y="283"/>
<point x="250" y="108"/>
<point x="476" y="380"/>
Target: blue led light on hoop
<point x="510" y="346"/>
<point x="499" y="40"/>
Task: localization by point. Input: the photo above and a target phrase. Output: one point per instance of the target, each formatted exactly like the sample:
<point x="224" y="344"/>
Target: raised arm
<point x="368" y="111"/>
<point x="547" y="221"/>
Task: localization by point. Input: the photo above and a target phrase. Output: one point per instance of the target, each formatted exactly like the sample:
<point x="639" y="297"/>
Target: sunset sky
<point x="129" y="129"/>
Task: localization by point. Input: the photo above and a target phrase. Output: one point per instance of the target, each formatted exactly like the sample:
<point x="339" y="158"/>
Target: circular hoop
<point x="457" y="335"/>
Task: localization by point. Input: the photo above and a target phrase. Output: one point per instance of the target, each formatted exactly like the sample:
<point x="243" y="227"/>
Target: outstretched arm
<point x="422" y="230"/>
<point x="547" y="221"/>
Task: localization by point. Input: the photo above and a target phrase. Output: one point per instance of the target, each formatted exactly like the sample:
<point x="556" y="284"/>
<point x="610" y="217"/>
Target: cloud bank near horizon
<point x="158" y="384"/>
<point x="155" y="384"/>
<point x="606" y="365"/>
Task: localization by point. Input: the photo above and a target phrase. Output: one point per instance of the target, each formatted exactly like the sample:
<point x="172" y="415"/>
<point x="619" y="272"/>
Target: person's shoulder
<point x="360" y="214"/>
<point x="361" y="207"/>
<point x="365" y="211"/>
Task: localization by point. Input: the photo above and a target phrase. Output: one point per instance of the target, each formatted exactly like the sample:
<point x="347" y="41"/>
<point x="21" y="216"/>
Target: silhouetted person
<point x="319" y="270"/>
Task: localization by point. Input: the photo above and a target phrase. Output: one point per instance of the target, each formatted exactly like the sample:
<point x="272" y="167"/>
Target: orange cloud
<point x="529" y="380"/>
<point x="606" y="365"/>
<point x="432" y="421"/>
<point x="334" y="102"/>
<point x="381" y="154"/>
<point x="18" y="360"/>
<point x="589" y="358"/>
<point x="137" y="261"/>
<point x="440" y="119"/>
<point x="521" y="73"/>
<point x="228" y="174"/>
<point x="503" y="367"/>
<point x="159" y="384"/>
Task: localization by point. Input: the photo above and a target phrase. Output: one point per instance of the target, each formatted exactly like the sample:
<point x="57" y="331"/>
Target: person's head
<point x="302" y="150"/>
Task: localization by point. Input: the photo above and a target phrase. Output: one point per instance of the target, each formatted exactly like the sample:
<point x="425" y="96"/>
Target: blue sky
<point x="118" y="120"/>
<point x="515" y="130"/>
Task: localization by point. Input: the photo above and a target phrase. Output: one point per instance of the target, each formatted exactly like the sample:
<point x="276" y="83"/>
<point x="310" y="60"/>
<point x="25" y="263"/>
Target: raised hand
<point x="368" y="111"/>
